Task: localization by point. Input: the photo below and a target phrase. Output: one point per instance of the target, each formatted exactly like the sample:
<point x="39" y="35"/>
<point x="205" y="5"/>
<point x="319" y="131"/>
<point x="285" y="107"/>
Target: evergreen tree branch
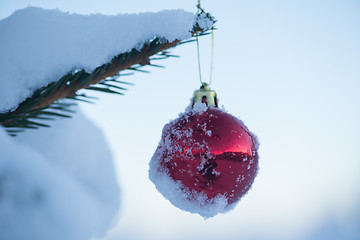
<point x="44" y="104"/>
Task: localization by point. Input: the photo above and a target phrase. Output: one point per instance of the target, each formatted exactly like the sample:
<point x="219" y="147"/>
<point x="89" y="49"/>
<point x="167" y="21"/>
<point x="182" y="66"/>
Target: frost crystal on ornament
<point x="205" y="162"/>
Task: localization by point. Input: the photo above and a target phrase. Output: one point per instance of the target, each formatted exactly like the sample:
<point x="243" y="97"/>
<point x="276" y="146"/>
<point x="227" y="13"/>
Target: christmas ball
<point x="206" y="160"/>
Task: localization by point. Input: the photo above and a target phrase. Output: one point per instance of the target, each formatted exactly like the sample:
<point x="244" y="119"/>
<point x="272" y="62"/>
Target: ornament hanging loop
<point x="199" y="11"/>
<point x="198" y="55"/>
<point x="212" y="55"/>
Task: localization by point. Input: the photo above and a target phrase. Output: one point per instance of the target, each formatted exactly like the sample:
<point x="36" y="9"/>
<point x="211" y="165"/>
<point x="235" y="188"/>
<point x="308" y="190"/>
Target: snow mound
<point x="39" y="46"/>
<point x="57" y="183"/>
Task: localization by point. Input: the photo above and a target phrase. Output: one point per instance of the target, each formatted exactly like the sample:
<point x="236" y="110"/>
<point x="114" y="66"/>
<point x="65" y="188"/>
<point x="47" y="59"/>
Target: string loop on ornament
<point x="212" y="55"/>
<point x="198" y="55"/>
<point x="198" y="50"/>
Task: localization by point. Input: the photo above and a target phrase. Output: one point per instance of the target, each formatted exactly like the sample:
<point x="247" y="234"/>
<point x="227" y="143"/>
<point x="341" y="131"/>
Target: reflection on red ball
<point x="209" y="152"/>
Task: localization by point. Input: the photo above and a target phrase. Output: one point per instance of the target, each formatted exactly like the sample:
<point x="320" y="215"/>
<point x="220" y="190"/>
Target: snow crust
<point x="38" y="46"/>
<point x="57" y="183"/>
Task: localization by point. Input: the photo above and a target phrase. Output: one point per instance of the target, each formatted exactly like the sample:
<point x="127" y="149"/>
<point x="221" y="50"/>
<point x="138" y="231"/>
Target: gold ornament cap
<point x="205" y="95"/>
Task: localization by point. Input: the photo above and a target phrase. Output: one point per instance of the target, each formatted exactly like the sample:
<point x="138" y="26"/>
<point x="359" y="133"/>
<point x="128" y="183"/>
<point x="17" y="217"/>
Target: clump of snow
<point x="204" y="22"/>
<point x="39" y="46"/>
<point x="57" y="183"/>
<point x="199" y="108"/>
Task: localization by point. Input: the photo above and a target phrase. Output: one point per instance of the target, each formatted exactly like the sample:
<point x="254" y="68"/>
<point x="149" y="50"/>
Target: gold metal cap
<point x="205" y="95"/>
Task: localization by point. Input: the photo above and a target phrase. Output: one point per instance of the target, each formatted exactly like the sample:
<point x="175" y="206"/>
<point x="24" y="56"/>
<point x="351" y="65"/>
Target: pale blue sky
<point x="290" y="70"/>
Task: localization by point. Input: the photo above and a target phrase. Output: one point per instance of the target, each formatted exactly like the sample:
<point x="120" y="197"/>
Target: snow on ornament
<point x="206" y="160"/>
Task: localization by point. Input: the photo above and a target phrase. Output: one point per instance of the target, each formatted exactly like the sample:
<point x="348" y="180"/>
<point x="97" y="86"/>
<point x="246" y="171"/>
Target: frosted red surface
<point x="210" y="152"/>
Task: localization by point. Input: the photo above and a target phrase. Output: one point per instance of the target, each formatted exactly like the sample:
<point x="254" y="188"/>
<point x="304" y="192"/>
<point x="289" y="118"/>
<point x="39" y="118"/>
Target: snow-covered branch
<point x="48" y="55"/>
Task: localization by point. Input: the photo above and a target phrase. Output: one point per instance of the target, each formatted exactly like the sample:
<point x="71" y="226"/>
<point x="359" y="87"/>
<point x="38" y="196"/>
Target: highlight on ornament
<point x="206" y="160"/>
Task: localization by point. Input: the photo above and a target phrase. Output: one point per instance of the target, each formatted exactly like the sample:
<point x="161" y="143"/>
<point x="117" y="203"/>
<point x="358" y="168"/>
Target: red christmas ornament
<point x="206" y="160"/>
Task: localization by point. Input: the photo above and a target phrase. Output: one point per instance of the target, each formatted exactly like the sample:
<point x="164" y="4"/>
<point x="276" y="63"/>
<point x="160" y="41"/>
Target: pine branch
<point x="44" y="104"/>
